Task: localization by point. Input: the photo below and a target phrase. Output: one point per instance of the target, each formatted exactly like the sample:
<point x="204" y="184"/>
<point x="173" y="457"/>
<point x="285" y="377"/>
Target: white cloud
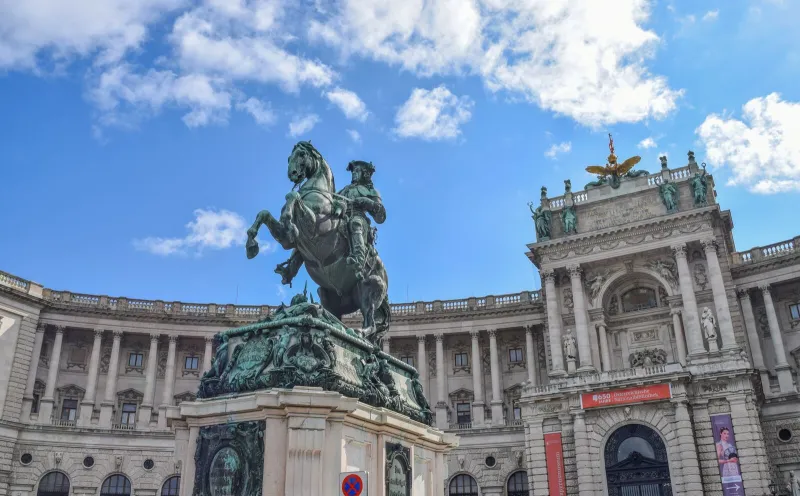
<point x="262" y="112"/>
<point x="584" y="59"/>
<point x="302" y="124"/>
<point x="711" y="15"/>
<point x="352" y="106"/>
<point x="35" y="31"/>
<point x="354" y="135"/>
<point x="435" y="114"/>
<point x="762" y="148"/>
<point x="210" y="229"/>
<point x="647" y="143"/>
<point x="557" y="149"/>
<point x="123" y="96"/>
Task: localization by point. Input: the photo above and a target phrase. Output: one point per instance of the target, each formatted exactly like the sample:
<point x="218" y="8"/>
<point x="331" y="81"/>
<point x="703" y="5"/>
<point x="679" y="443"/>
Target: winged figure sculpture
<point x="612" y="172"/>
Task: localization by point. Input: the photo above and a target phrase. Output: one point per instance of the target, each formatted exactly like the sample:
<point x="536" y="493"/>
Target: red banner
<point x="624" y="396"/>
<point x="556" y="479"/>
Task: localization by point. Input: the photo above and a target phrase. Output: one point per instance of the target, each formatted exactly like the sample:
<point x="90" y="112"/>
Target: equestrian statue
<point x="332" y="234"/>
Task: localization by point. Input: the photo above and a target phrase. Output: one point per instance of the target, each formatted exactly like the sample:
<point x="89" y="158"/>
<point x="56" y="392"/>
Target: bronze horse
<point x="313" y="223"/>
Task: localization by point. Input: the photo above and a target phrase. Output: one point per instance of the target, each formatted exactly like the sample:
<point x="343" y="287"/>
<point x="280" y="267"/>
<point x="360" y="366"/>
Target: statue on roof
<point x="613" y="172"/>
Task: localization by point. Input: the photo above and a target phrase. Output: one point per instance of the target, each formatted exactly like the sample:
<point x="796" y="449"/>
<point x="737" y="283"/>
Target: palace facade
<point x="656" y="360"/>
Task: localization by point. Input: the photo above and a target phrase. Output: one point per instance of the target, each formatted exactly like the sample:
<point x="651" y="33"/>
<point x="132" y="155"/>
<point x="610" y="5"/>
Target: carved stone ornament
<point x="230" y="459"/>
<point x="714" y="387"/>
<point x="700" y="276"/>
<point x="666" y="270"/>
<point x="118" y="459"/>
<point x="613" y="305"/>
<point x="305" y="345"/>
<point x="568" y="300"/>
<point x="648" y="358"/>
<point x="57" y="457"/>
<point x="398" y="470"/>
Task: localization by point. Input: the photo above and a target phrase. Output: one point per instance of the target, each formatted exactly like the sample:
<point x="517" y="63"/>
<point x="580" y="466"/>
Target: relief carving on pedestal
<point x="568" y="301"/>
<point x="700" y="276"/>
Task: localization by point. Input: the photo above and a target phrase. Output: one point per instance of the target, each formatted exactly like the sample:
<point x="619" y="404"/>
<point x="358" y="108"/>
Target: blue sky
<point x="139" y="139"/>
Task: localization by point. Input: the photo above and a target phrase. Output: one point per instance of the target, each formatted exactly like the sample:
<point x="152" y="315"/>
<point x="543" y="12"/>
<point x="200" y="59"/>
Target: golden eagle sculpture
<point x="612" y="172"/>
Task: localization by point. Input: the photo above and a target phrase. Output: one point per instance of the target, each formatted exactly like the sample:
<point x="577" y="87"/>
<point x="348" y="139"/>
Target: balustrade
<point x="759" y="253"/>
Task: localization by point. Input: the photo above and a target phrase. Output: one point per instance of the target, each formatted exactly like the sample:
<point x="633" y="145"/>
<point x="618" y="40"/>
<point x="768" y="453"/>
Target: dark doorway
<point x="636" y="463"/>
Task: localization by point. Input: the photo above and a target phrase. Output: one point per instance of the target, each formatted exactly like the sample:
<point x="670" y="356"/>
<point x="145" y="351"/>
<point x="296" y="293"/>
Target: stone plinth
<point x="298" y="441"/>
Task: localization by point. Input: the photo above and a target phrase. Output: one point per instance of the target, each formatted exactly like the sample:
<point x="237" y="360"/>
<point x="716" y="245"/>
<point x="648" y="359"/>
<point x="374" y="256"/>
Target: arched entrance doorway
<point x="636" y="463"/>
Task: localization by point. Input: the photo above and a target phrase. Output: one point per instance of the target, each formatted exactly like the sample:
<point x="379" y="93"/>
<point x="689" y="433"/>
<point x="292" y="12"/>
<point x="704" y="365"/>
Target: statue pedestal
<point x="712" y="346"/>
<point x="298" y="441"/>
<point x="571" y="366"/>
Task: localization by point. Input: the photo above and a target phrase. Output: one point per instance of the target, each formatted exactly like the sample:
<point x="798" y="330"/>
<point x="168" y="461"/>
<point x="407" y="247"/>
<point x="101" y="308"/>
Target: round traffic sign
<point x="352" y="485"/>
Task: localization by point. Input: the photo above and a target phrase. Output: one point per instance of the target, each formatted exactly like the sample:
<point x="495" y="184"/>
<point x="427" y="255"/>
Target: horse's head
<point x="306" y="162"/>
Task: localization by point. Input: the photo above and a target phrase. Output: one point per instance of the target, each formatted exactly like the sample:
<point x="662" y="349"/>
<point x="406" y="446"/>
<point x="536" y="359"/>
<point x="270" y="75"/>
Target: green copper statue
<point x="699" y="185"/>
<point x="669" y="195"/>
<point x="541" y="218"/>
<point x="330" y="232"/>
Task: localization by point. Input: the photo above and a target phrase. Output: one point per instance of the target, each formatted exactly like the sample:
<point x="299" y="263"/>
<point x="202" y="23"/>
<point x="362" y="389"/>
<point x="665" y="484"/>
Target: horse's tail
<point x="383" y="316"/>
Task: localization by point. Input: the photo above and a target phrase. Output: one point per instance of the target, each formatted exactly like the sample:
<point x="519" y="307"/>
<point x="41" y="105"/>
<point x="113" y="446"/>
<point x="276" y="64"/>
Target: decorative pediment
<point x="130" y="395"/>
<point x="71" y="391"/>
<point x="39" y="385"/>
<point x="513" y="392"/>
<point x="185" y="396"/>
<point x="462" y="394"/>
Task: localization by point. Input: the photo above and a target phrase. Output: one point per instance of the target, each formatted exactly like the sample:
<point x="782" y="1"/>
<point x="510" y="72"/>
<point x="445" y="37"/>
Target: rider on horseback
<point x="364" y="198"/>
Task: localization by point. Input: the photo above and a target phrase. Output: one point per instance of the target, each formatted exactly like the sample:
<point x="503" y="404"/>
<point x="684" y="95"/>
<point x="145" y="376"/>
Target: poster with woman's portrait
<point x="727" y="455"/>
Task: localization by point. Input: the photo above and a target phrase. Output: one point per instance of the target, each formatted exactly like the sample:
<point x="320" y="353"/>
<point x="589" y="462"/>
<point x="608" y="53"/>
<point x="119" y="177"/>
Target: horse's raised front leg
<point x="276" y="229"/>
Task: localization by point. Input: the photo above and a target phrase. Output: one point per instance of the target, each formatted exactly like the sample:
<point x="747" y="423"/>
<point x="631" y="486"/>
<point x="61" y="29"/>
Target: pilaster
<point x="720" y="295"/>
<point x="109" y="401"/>
<point x="553" y="323"/>
<point x="87" y="405"/>
<point x="46" y="404"/>
<point x="497" y="401"/>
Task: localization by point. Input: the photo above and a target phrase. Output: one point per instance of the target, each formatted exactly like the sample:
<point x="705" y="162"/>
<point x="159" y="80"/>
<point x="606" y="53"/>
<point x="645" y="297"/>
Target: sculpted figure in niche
<point x="568" y="302"/>
<point x="709" y="325"/>
<point x="794" y="485"/>
<point x="700" y="277"/>
<point x="595" y="283"/>
<point x="669" y="195"/>
<point x="569" y="346"/>
<point x="569" y="220"/>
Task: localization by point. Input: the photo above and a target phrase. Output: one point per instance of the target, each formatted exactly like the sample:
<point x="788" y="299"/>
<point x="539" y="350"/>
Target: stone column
<point x="583" y="457"/>
<point x="169" y="383"/>
<point x="756" y="355"/>
<point x="108" y="403"/>
<point x="208" y="353"/>
<point x="581" y="323"/>
<point x="441" y="394"/>
<point x="46" y="403"/>
<point x="187" y="476"/>
<point x="690" y="465"/>
<point x="553" y="323"/>
<point x="494" y="362"/>
<point x="27" y="400"/>
<point x="422" y="363"/>
<point x="691" y="320"/>
<point x="720" y="296"/>
<point x="146" y="409"/>
<point x="626" y="352"/>
<point x="529" y="355"/>
<point x="781" y="365"/>
<point x="385" y="345"/>
<point x="680" y="340"/>
<point x="605" y="353"/>
<point x="87" y="404"/>
<point x="477" y="381"/>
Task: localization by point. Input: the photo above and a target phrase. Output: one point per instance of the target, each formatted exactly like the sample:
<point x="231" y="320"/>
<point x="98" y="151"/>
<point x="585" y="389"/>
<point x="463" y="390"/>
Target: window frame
<point x="139" y="360"/>
<point x="168" y="491"/>
<point x="794" y="308"/>
<point x="408" y="360"/>
<point x="469" y="486"/>
<point x="462" y="414"/>
<point x="74" y="415"/>
<point x="195" y="362"/>
<point x="126" y="484"/>
<point x="462" y="356"/>
<point x="518" y="352"/>
<point x="132" y="414"/>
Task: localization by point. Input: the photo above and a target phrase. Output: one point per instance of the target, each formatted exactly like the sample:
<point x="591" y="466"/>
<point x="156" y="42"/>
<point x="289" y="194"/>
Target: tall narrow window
<point x="794" y="311"/>
<point x="515" y="355"/>
<point x="128" y="414"/>
<point x="69" y="409"/>
<point x="135" y="360"/>
<point x="463" y="413"/>
<point x="462" y="360"/>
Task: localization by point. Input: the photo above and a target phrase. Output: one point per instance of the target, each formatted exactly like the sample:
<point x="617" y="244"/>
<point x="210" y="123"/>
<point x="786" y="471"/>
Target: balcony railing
<point x="759" y="253"/>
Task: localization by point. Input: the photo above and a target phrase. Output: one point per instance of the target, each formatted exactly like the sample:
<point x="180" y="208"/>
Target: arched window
<point x="639" y="299"/>
<point x="518" y="484"/>
<point x="116" y="485"/>
<point x="636" y="462"/>
<point x="53" y="484"/>
<point x="172" y="486"/>
<point x="463" y="485"/>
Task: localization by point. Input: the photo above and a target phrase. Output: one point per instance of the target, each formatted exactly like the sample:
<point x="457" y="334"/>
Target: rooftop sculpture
<point x="613" y="172"/>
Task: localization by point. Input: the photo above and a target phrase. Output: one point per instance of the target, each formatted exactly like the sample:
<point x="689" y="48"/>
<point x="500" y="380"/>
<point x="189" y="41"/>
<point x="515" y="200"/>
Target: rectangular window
<point x="128" y="414"/>
<point x="462" y="360"/>
<point x="517" y="413"/>
<point x="35" y="405"/>
<point x="515" y="355"/>
<point x="795" y="311"/>
<point x="408" y="359"/>
<point x="69" y="409"/>
<point x="191" y="363"/>
<point x="463" y="413"/>
<point x="135" y="360"/>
